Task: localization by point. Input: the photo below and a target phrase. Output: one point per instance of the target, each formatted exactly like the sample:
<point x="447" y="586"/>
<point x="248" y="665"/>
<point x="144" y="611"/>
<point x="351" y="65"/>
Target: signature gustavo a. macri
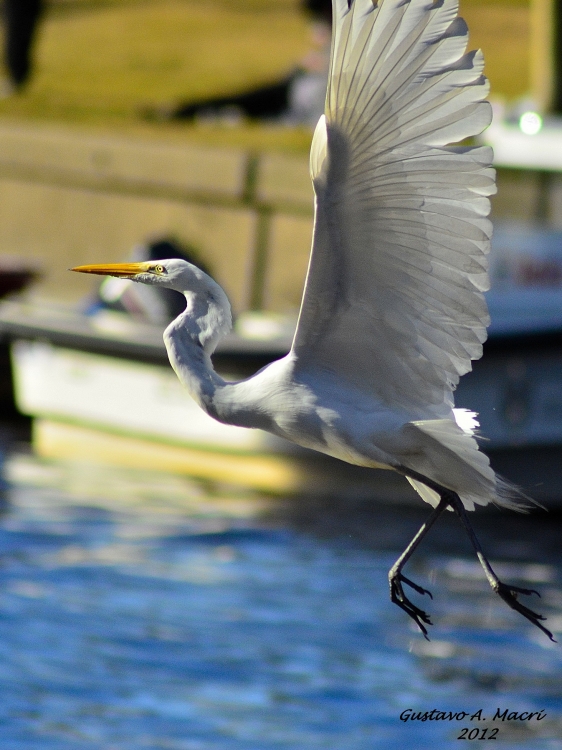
<point x="474" y="733"/>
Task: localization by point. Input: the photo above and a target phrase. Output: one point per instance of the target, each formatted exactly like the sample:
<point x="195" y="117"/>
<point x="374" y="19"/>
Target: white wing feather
<point x="393" y="301"/>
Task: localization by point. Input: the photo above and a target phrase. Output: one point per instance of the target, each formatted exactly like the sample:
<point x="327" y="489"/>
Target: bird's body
<point x="393" y="310"/>
<point x="315" y="408"/>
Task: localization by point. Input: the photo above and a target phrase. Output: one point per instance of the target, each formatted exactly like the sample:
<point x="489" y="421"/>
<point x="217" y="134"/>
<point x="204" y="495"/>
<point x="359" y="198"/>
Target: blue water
<point x="140" y="611"/>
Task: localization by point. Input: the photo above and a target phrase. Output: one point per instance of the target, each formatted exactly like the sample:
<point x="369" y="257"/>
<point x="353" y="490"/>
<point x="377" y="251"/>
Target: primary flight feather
<point x="393" y="310"/>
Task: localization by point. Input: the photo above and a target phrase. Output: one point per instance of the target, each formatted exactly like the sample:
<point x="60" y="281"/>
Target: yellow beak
<point x="122" y="270"/>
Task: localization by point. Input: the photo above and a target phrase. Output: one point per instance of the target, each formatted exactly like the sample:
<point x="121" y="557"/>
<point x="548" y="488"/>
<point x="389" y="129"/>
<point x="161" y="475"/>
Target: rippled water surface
<point x="140" y="611"/>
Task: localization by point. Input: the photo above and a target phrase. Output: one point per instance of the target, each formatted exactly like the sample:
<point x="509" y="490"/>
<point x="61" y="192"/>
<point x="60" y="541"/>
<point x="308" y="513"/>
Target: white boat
<point x="82" y="378"/>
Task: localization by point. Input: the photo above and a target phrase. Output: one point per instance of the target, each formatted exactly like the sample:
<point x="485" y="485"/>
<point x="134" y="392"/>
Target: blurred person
<point x="297" y="98"/>
<point x="20" y="23"/>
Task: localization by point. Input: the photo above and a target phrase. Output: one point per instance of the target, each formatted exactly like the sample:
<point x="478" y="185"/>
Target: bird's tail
<point x="446" y="452"/>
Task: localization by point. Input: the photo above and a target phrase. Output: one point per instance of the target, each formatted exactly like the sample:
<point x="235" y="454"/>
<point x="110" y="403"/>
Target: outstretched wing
<point x="393" y="300"/>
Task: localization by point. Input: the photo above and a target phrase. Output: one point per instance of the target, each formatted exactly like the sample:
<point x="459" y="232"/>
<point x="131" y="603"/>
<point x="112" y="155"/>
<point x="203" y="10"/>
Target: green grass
<point x="98" y="62"/>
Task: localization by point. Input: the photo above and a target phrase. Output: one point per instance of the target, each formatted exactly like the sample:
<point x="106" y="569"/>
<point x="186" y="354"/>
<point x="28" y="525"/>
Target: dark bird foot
<point x="397" y="596"/>
<point x="509" y="595"/>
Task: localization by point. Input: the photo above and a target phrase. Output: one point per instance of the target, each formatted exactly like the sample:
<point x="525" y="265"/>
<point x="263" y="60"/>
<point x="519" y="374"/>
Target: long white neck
<point x="207" y="315"/>
<point x="231" y="403"/>
<point x="191" y="339"/>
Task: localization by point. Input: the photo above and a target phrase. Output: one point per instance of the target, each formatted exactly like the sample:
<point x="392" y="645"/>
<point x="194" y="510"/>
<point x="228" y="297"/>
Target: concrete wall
<point x="69" y="198"/>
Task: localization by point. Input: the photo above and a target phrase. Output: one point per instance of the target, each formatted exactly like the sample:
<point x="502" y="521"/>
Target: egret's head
<point x="173" y="273"/>
<point x="208" y="309"/>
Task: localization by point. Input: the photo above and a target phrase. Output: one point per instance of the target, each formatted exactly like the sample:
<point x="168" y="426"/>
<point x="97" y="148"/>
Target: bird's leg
<point x="507" y="592"/>
<point x="396" y="577"/>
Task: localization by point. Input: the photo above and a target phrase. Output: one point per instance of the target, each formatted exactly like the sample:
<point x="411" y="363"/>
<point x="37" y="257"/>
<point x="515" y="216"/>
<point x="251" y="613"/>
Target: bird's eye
<point x="158" y="269"/>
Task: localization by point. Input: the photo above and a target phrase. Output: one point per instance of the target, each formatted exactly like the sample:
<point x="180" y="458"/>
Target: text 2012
<point x="478" y="734"/>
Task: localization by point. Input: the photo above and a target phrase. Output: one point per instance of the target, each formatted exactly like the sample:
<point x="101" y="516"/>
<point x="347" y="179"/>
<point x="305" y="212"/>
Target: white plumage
<point x="393" y="310"/>
<point x="393" y="302"/>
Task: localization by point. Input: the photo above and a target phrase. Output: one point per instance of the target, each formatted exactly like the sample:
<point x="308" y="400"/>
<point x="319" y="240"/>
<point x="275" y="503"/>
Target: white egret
<point x="393" y="309"/>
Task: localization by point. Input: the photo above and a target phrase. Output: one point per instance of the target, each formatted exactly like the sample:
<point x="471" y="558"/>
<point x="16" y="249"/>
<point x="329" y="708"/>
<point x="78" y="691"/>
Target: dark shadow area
<point x="504" y="534"/>
<point x="14" y="426"/>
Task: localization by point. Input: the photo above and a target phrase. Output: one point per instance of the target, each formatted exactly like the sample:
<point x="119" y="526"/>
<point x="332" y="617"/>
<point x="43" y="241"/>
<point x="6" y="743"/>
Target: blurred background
<point x="167" y="582"/>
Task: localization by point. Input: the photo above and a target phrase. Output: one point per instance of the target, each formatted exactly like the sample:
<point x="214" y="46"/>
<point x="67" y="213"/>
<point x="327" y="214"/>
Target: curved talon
<point x="415" y="586"/>
<point x="509" y="595"/>
<point x="398" y="597"/>
<point x="518" y="590"/>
